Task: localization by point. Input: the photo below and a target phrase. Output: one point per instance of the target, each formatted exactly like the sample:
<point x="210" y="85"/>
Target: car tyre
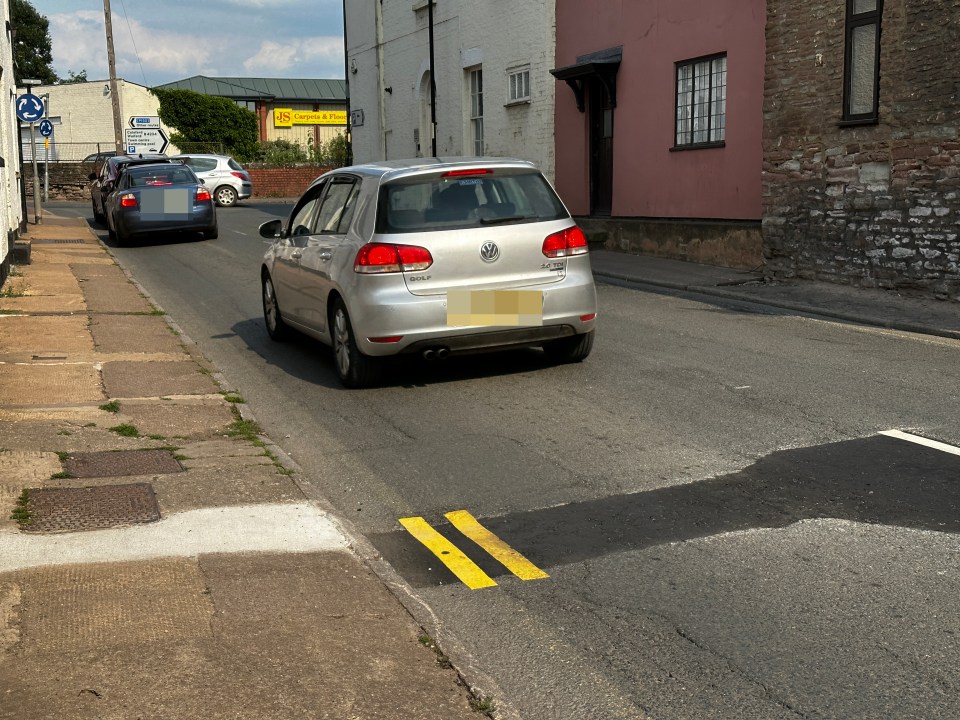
<point x="354" y="369"/>
<point x="97" y="217"/>
<point x="225" y="196"/>
<point x="111" y="233"/>
<point x="571" y="349"/>
<point x="277" y="329"/>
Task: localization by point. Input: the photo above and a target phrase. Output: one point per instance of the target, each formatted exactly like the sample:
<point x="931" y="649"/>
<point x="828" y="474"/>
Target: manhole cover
<point x="92" y="508"/>
<point x="121" y="462"/>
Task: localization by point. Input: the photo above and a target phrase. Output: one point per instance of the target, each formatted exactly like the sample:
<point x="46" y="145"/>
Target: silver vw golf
<point x="430" y="256"/>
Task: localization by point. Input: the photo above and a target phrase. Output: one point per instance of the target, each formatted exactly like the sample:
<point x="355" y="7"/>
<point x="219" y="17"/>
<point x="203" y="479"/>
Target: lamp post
<point x="433" y="84"/>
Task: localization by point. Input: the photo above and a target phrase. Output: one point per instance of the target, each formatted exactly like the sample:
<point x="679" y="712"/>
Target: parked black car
<point x="106" y="178"/>
<point x="153" y="198"/>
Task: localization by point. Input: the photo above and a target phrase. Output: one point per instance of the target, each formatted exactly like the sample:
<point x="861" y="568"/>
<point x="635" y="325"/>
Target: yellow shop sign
<point x="285" y="117"/>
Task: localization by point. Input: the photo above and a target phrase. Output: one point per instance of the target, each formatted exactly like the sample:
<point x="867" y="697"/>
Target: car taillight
<point x="388" y="258"/>
<point x="128" y="200"/>
<point x="203" y="195"/>
<point x="565" y="243"/>
<point x="242" y="176"/>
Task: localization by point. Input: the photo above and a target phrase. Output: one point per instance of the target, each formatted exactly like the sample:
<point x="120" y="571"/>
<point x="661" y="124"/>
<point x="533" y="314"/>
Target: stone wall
<point x="875" y="205"/>
<point x="730" y="244"/>
<point x="65" y="181"/>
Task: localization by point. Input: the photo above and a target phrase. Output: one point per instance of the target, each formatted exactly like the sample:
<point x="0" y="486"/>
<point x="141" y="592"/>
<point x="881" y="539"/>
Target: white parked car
<point x="226" y="179"/>
<point x="429" y="256"/>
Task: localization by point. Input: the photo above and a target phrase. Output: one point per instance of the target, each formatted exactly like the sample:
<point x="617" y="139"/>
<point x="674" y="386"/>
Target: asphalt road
<point x="725" y="532"/>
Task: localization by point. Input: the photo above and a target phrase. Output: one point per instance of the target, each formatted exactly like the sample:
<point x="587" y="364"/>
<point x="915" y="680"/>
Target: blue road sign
<point x="29" y="108"/>
<point x="45" y="127"/>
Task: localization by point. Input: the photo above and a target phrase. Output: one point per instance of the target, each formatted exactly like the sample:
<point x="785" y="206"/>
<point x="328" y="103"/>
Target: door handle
<point x="325" y="255"/>
<point x="296" y="254"/>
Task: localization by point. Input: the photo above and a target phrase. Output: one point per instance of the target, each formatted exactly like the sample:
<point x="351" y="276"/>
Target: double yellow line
<point x="458" y="563"/>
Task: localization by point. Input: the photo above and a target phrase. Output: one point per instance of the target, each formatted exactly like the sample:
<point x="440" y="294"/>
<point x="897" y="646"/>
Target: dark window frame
<point x="854" y="21"/>
<point x="692" y="63"/>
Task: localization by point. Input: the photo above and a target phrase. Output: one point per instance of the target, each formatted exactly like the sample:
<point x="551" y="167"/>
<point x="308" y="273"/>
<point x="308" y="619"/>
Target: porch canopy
<point x="603" y="65"/>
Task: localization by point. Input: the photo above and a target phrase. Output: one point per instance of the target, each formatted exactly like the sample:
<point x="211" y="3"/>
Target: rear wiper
<point x="507" y="218"/>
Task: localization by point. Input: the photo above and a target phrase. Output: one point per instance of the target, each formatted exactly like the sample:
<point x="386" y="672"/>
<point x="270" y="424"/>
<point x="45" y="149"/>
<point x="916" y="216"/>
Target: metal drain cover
<point x="120" y="463"/>
<point x="59" y="241"/>
<point x="71" y="509"/>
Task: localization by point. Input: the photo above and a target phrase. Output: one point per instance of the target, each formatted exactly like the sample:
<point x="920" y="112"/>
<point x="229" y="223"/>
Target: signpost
<point x="144" y="140"/>
<point x="46" y="128"/>
<point x="29" y="110"/>
<point x="145" y="121"/>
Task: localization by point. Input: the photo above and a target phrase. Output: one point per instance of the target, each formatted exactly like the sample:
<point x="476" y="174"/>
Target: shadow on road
<point x="877" y="480"/>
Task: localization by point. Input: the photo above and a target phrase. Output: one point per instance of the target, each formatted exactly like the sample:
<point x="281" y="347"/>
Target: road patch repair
<point x="158" y="557"/>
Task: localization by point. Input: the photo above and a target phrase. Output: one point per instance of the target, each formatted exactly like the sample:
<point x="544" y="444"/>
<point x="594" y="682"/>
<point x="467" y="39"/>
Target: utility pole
<point x="114" y="94"/>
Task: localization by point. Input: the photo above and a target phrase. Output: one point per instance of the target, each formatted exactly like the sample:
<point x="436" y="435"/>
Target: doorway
<point x="601" y="147"/>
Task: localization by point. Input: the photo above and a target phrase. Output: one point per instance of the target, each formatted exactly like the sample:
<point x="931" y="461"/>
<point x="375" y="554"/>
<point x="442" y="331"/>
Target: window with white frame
<point x="476" y="110"/>
<point x="701" y="102"/>
<point x="519" y="84"/>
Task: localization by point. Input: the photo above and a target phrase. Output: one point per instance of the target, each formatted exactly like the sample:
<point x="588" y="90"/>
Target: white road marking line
<point x="900" y="435"/>
<point x="240" y="233"/>
<point x="289" y="528"/>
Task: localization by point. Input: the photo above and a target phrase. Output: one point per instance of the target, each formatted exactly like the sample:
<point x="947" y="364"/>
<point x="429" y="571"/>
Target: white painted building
<point x="494" y="92"/>
<point x="82" y="117"/>
<point x="11" y="212"/>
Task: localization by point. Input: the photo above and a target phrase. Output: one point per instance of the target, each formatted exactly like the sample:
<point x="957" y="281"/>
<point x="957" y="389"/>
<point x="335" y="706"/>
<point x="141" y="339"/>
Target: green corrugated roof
<point x="240" y="88"/>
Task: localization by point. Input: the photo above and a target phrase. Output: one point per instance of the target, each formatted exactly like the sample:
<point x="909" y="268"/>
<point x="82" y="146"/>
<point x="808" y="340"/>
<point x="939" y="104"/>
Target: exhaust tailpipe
<point x="429" y="354"/>
<point x="442" y="353"/>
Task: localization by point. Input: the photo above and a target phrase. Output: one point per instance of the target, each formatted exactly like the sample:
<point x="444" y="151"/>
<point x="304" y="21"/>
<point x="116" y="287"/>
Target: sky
<point x="159" y="41"/>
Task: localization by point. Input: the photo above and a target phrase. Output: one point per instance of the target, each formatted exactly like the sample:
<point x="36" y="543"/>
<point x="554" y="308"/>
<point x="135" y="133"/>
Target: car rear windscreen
<point x="455" y="200"/>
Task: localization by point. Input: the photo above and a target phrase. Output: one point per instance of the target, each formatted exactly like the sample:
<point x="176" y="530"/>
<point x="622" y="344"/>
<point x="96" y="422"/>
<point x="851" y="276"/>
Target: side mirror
<point x="202" y="181"/>
<point x="271" y="229"/>
<point x="92" y="176"/>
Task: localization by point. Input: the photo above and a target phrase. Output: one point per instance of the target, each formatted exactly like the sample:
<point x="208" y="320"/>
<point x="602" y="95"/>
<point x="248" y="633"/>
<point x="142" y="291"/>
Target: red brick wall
<point x="283" y="181"/>
<point x="869" y="205"/>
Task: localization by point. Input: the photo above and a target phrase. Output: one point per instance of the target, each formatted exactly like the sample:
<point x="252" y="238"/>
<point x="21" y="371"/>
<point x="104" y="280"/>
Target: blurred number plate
<point x="487" y="308"/>
<point x="159" y="204"/>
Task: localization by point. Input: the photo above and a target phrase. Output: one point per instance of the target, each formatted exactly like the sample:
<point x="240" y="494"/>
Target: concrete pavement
<point x="159" y="558"/>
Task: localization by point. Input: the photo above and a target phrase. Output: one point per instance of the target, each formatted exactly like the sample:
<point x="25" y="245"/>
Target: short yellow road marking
<point x="458" y="563"/>
<point x="506" y="555"/>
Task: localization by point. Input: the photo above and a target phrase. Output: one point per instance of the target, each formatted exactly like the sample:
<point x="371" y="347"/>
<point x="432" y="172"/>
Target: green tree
<point x="32" y="53"/>
<point x="80" y="77"/>
<point x="200" y="119"/>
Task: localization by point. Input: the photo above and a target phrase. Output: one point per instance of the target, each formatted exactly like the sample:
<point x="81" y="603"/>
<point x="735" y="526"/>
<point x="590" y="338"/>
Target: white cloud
<point x="81" y="44"/>
<point x="217" y="38"/>
<point x="276" y="57"/>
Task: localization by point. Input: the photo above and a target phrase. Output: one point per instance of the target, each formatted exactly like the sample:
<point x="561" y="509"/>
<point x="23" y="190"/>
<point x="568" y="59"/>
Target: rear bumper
<point x="390" y="310"/>
<point x="498" y="339"/>
<point x="132" y="224"/>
